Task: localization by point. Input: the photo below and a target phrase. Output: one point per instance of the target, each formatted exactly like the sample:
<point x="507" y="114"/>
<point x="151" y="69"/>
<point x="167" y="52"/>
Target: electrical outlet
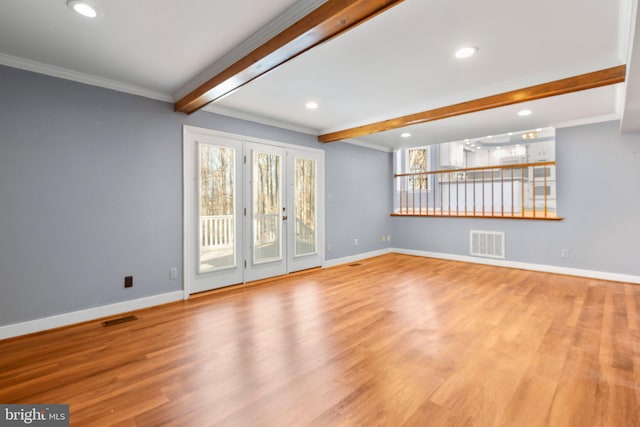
<point x="355" y="242"/>
<point x="384" y="239"/>
<point x="388" y="237"/>
<point x="565" y="253"/>
<point x="173" y="273"/>
<point x="128" y="281"/>
<point x="329" y="247"/>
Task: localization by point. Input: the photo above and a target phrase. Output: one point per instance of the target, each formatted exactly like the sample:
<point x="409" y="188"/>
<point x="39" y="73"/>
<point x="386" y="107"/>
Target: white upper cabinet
<point x="544" y="151"/>
<point x="477" y="158"/>
<point x="452" y="155"/>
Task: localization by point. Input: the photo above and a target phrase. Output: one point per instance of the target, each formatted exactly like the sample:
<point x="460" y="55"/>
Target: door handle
<point x="284" y="217"/>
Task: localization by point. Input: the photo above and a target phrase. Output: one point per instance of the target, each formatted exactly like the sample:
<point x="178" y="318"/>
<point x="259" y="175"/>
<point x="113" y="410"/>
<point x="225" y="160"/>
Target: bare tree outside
<point x="305" y="206"/>
<point x="217" y="201"/>
<point x="217" y="184"/>
<point x="217" y="174"/>
<point x="418" y="163"/>
<point x="266" y="205"/>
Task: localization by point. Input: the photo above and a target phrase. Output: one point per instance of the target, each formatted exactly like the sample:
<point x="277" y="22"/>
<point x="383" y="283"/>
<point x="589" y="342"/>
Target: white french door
<point x="266" y="212"/>
<point x="213" y="232"/>
<point x="306" y="210"/>
<point x="252" y="209"/>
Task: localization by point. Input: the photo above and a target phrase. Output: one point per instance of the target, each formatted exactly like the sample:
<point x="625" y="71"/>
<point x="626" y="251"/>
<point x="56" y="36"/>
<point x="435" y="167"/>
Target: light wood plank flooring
<point x="394" y="341"/>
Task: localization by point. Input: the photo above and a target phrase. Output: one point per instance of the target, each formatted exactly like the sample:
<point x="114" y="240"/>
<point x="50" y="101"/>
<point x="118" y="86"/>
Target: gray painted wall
<point x="91" y="191"/>
<point x="359" y="199"/>
<point x="598" y="173"/>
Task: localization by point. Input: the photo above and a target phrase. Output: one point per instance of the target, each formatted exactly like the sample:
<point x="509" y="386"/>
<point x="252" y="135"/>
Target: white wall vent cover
<point x="489" y="244"/>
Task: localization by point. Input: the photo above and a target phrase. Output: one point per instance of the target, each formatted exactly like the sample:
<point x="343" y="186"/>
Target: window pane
<point x="305" y="206"/>
<point x="418" y="163"/>
<point x="266" y="207"/>
<point x="217" y="202"/>
<point x="417" y="160"/>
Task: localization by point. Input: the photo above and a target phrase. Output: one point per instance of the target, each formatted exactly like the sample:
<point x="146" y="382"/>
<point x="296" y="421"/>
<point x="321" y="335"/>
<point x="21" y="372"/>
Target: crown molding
<point x="587" y="121"/>
<point x="237" y="114"/>
<point x="76" y="76"/>
<point x="371" y="146"/>
<point x="242" y="115"/>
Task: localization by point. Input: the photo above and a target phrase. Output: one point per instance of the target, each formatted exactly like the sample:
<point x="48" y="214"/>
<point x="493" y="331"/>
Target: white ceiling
<point x="397" y="63"/>
<point x="157" y="45"/>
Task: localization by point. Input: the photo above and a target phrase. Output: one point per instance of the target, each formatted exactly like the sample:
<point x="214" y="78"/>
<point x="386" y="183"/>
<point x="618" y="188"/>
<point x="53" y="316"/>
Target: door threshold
<point x="239" y="286"/>
<point x="295" y="273"/>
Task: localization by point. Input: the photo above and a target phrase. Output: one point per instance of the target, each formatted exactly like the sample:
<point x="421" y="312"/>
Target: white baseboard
<point x="357" y="257"/>
<point x="66" y="319"/>
<point x="602" y="275"/>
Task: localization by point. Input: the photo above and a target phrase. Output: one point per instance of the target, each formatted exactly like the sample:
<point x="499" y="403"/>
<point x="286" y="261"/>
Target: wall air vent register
<point x="488" y="244"/>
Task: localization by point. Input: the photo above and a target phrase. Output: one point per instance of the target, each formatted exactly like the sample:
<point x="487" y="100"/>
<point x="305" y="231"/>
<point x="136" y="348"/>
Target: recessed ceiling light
<point x="510" y="133"/>
<point x="83" y="8"/>
<point x="524" y="113"/>
<point x="539" y="130"/>
<point x="466" y="52"/>
<point x="489" y="136"/>
<point x="405" y="135"/>
<point x="311" y="105"/>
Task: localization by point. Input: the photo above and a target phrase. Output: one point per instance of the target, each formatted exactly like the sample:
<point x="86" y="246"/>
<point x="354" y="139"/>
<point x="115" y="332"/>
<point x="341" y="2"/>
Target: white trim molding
<point x="74" y="317"/>
<point x="190" y="137"/>
<point x="66" y="319"/>
<point x="358" y="257"/>
<point x="369" y="145"/>
<point x="76" y="76"/>
<point x="587" y="121"/>
<point x="568" y="271"/>
<point x="243" y="115"/>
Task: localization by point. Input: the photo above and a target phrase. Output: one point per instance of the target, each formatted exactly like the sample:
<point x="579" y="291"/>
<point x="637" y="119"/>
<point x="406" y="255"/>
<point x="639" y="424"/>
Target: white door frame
<point x="309" y="260"/>
<point x="254" y="269"/>
<point x="189" y="137"/>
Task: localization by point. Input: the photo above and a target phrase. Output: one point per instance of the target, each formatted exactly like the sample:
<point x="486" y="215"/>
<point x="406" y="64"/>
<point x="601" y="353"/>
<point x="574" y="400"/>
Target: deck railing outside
<point x="216" y="231"/>
<point x="526" y="191"/>
<point x="266" y="228"/>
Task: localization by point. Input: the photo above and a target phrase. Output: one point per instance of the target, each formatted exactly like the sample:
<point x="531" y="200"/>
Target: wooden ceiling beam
<point x="325" y="22"/>
<point x="591" y="80"/>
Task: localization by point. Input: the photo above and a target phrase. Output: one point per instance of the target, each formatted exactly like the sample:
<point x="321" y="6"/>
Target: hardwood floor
<point x="394" y="341"/>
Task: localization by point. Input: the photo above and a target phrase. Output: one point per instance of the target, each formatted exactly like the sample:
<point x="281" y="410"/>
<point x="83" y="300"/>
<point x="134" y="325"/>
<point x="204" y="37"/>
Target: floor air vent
<point x="489" y="244"/>
<point x="118" y="320"/>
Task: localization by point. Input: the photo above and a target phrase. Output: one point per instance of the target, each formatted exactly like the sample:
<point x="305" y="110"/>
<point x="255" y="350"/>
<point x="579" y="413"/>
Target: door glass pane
<point x="305" y="206"/>
<point x="266" y="208"/>
<point x="217" y="207"/>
